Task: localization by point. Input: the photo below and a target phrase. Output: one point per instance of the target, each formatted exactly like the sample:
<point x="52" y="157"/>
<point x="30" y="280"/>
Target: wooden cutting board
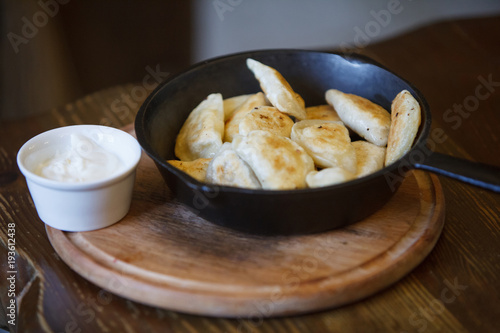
<point x="163" y="255"/>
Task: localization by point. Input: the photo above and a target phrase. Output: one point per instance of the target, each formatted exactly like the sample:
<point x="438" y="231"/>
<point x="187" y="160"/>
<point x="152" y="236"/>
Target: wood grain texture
<point x="164" y="255"/>
<point x="454" y="289"/>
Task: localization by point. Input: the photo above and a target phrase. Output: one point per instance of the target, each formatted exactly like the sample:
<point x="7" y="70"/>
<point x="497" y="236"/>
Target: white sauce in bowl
<point x="82" y="161"/>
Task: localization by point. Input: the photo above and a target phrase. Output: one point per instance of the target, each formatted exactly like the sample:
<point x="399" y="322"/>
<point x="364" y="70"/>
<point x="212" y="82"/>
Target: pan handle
<point x="477" y="174"/>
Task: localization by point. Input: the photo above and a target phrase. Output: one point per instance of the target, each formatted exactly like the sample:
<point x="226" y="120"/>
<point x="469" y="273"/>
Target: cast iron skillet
<point x="293" y="211"/>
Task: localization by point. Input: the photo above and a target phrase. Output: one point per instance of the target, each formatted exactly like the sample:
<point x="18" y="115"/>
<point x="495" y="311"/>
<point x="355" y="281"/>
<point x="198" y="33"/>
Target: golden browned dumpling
<point x="327" y="142"/>
<point x="196" y="169"/>
<point x="233" y="123"/>
<point x="227" y="168"/>
<point x="405" y="115"/>
<point x="201" y="134"/>
<point x="266" y="118"/>
<point x="370" y="157"/>
<point x="278" y="91"/>
<point x="369" y="120"/>
<point x="328" y="176"/>
<point x="233" y="103"/>
<point x="278" y="162"/>
<point x="322" y="112"/>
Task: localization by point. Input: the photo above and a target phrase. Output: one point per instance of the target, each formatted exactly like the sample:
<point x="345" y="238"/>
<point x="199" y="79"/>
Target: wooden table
<point x="456" y="288"/>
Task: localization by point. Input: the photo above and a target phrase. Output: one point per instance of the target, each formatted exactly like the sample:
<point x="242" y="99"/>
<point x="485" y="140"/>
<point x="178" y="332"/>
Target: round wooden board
<point x="162" y="254"/>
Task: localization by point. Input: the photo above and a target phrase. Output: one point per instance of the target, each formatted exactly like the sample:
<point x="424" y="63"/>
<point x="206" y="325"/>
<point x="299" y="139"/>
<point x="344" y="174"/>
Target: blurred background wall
<point x="55" y="51"/>
<point x="225" y="26"/>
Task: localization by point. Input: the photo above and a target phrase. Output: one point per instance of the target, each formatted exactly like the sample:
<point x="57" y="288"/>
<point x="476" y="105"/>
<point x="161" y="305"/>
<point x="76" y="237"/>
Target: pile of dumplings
<point x="271" y="140"/>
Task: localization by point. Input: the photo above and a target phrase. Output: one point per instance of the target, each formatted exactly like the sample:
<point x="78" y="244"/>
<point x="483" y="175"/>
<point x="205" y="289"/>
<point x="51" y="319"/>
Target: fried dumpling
<point x="233" y="103"/>
<point x="323" y="112"/>
<point x="367" y="119"/>
<point x="278" y="162"/>
<point x="201" y="134"/>
<point x="196" y="168"/>
<point x="233" y="123"/>
<point x="266" y="118"/>
<point x="328" y="176"/>
<point x="227" y="168"/>
<point x="278" y="91"/>
<point x="327" y="142"/>
<point x="370" y="157"/>
<point x="405" y="115"/>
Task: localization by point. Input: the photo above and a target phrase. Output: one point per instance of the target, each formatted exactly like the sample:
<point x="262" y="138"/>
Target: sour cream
<point x="80" y="161"/>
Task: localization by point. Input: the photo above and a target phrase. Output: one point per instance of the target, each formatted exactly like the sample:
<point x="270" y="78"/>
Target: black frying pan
<point x="293" y="211"/>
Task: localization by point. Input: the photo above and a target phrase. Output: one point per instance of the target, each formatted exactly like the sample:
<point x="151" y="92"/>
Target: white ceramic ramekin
<point x="87" y="205"/>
